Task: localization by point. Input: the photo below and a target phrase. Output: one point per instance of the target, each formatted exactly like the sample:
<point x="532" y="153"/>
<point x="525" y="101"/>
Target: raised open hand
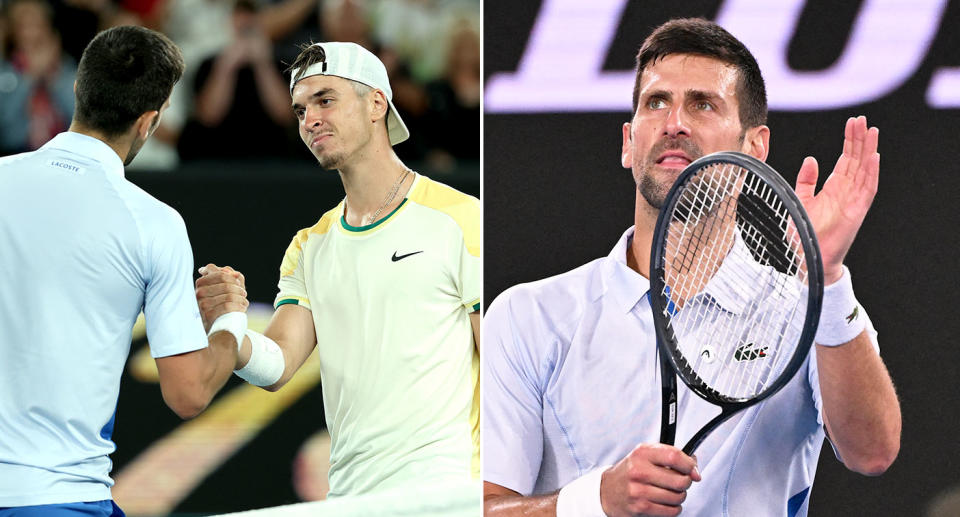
<point x="838" y="210"/>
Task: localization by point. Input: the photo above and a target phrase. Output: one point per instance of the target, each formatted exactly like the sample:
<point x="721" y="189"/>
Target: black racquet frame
<point x="666" y="340"/>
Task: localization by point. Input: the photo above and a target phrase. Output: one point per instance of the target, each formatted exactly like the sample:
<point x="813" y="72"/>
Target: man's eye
<point x="656" y="104"/>
<point x="704" y="106"/>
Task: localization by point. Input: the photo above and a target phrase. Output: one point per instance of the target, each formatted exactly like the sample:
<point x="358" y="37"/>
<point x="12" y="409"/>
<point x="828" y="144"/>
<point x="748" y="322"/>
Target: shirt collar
<point x="727" y="286"/>
<point x="89" y="147"/>
<point x="625" y="285"/>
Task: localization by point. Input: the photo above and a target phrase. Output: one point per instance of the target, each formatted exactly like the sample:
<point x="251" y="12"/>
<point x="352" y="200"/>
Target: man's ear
<point x="378" y="105"/>
<point x="756" y="142"/>
<point x="626" y="151"/>
<point x="146" y="123"/>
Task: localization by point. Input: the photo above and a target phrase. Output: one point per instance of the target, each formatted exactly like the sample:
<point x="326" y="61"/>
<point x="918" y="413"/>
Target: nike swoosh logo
<point x="396" y="257"/>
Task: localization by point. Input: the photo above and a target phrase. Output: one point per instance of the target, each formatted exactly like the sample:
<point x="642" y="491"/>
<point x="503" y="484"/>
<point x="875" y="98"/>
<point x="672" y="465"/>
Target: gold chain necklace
<point x="393" y="193"/>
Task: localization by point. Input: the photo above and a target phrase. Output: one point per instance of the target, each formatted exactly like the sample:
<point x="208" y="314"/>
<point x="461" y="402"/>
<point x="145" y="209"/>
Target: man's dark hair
<point x="123" y="73"/>
<point x="310" y="54"/>
<point x="705" y="38"/>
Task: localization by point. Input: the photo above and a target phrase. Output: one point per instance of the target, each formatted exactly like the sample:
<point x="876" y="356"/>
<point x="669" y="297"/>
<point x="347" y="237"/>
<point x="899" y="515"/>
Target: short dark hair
<point x="123" y="73"/>
<point x="705" y="38"/>
<point x="310" y="54"/>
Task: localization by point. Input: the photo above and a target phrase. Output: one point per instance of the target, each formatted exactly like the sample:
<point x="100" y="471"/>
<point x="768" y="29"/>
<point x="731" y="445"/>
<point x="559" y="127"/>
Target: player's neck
<point x="374" y="188"/>
<point x="644" y="221"/>
<point x="120" y="145"/>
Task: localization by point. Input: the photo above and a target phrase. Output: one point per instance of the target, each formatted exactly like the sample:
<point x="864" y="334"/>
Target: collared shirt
<point x="82" y="251"/>
<point x="572" y="383"/>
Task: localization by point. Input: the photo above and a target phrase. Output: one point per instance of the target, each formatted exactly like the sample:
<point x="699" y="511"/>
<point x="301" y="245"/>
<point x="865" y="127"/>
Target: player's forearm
<point x="290" y="367"/>
<point x="517" y="506"/>
<point x="221" y="359"/>
<point x="292" y="360"/>
<point x="198" y="375"/>
<point x="860" y="405"/>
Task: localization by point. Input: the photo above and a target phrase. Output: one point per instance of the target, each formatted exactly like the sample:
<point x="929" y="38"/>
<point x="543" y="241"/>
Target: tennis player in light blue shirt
<point x="561" y="346"/>
<point x="82" y="252"/>
<point x="571" y="382"/>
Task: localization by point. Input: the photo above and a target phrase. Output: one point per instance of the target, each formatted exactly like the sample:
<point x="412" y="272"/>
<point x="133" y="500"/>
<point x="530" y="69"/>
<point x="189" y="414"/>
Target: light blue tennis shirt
<point x="82" y="251"/>
<point x="571" y="383"/>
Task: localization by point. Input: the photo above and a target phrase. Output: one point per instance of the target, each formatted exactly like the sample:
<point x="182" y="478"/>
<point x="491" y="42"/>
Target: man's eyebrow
<point x="319" y="93"/>
<point x="703" y="95"/>
<point x="658" y="94"/>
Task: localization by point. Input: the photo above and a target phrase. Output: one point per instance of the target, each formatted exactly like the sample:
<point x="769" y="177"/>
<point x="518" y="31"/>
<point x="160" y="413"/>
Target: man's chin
<point x="329" y="162"/>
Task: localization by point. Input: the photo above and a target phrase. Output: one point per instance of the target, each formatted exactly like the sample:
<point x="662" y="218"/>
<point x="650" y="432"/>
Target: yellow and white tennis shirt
<point x="390" y="304"/>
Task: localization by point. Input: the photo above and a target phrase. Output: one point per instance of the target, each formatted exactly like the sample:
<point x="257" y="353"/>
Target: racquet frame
<point x="666" y="340"/>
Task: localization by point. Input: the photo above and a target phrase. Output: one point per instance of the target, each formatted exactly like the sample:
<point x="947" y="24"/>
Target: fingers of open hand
<point x="807" y="179"/>
<point x="867" y="175"/>
<point x="859" y="144"/>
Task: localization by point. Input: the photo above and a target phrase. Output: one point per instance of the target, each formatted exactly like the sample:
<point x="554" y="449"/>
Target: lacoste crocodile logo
<point x="853" y="315"/>
<point x="748" y="352"/>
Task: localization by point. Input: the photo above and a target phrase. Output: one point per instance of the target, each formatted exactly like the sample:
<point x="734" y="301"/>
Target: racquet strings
<point x="734" y="277"/>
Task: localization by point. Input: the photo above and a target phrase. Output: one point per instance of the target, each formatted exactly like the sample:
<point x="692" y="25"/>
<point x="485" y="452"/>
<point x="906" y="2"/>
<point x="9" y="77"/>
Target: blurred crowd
<point x="234" y="102"/>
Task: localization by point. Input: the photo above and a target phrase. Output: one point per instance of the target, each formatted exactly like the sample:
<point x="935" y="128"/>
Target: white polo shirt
<point x="572" y="383"/>
<point x="82" y="251"/>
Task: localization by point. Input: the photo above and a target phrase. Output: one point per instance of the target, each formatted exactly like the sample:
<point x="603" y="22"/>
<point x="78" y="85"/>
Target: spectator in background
<point x="452" y="120"/>
<point x="418" y="30"/>
<point x="241" y="104"/>
<point x="36" y="79"/>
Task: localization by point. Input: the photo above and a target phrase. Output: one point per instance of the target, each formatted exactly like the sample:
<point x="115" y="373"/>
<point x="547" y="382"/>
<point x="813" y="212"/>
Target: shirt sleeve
<point x="471" y="265"/>
<point x="292" y="285"/>
<point x="170" y="304"/>
<point x="512" y="403"/>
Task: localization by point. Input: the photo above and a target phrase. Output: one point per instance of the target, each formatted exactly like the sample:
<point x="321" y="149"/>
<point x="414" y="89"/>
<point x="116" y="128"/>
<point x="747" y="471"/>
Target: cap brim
<point x="396" y="129"/>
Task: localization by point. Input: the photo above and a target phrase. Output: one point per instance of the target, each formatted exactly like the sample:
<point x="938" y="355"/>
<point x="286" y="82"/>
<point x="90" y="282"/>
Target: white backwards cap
<point x="353" y="62"/>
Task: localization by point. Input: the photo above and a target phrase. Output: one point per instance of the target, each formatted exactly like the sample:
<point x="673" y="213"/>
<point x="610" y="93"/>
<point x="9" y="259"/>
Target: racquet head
<point x="735" y="280"/>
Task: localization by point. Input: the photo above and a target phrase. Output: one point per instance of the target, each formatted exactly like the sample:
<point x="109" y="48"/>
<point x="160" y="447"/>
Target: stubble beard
<point x="332" y="161"/>
<point x="338" y="160"/>
<point x="653" y="190"/>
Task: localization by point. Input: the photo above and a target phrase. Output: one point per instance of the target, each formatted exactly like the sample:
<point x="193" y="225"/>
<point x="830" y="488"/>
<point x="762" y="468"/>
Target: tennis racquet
<point x="736" y="283"/>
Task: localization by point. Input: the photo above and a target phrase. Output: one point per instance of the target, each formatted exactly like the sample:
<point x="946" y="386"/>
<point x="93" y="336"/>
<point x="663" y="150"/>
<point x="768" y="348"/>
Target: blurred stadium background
<point x="558" y="82"/>
<point x="228" y="158"/>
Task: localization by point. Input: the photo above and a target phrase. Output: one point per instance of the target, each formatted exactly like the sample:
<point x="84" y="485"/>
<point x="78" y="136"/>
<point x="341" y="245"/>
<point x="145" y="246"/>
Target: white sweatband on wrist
<point x="581" y="497"/>
<point x="841" y="317"/>
<point x="266" y="363"/>
<point x="234" y="323"/>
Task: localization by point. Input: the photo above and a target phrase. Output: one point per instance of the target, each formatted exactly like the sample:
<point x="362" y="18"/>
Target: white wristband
<point x="581" y="497"/>
<point x="266" y="363"/>
<point x="841" y="317"/>
<point x="234" y="323"/>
